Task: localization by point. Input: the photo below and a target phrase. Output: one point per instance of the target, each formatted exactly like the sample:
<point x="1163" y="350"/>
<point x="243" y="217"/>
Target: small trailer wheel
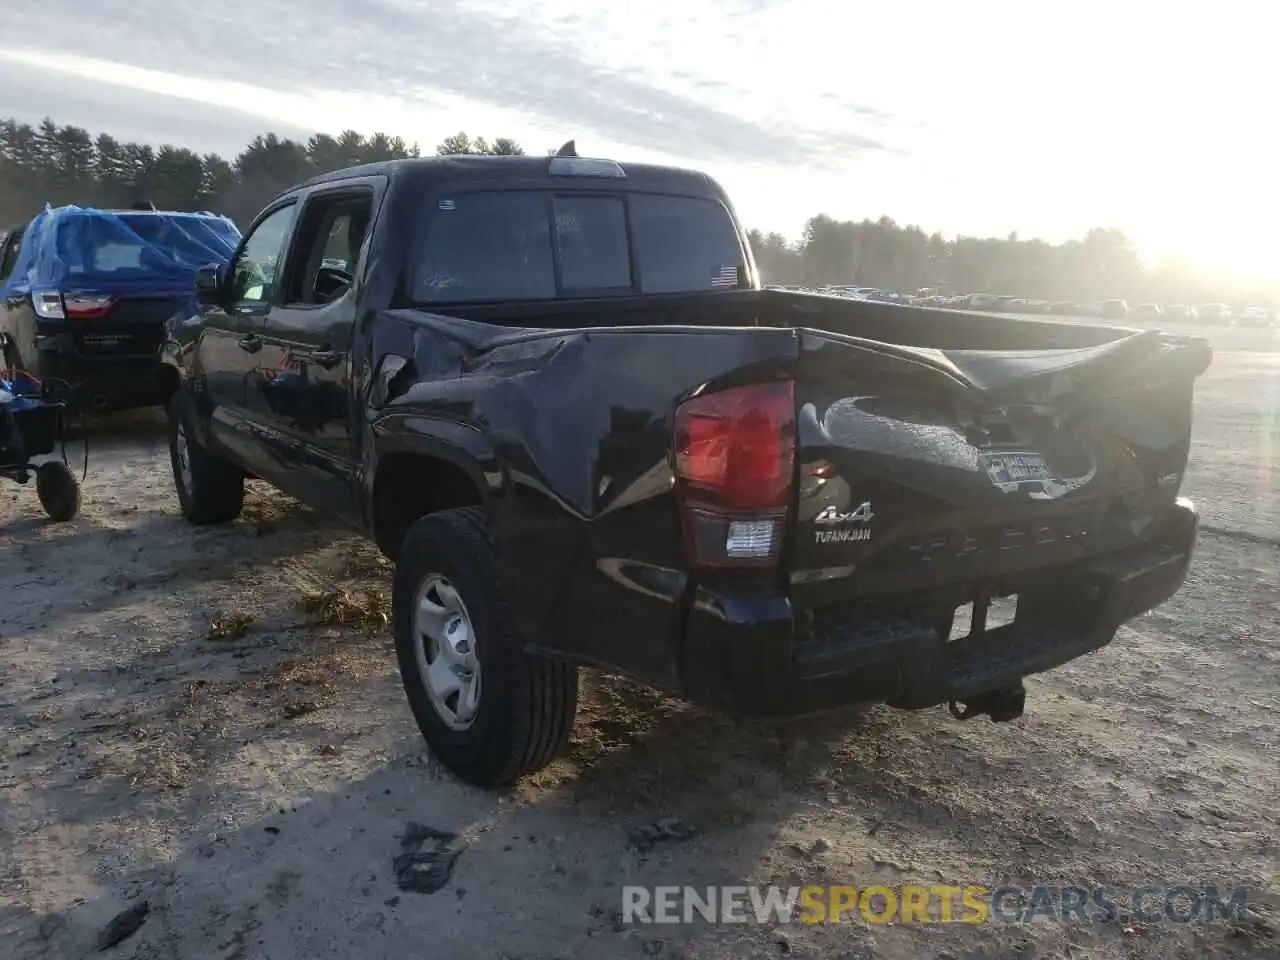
<point x="58" y="490"/>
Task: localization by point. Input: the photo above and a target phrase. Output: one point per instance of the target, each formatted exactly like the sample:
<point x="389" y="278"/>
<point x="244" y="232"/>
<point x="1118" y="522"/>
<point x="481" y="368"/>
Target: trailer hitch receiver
<point x="1000" y="705"/>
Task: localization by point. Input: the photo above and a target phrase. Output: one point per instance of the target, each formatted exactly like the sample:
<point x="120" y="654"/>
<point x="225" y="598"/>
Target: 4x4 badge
<point x="830" y="515"/>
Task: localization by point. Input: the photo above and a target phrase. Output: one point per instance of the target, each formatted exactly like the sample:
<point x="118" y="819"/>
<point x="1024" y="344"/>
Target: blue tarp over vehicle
<point x="144" y="251"/>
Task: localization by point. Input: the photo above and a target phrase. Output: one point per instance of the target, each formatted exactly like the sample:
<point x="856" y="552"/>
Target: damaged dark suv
<point x="85" y="295"/>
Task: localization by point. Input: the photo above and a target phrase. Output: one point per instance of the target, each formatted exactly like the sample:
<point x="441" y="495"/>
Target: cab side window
<point x="327" y="246"/>
<point x="253" y="274"/>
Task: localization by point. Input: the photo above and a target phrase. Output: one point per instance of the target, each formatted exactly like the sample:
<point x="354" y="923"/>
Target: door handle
<point x="326" y="358"/>
<point x="251" y="343"/>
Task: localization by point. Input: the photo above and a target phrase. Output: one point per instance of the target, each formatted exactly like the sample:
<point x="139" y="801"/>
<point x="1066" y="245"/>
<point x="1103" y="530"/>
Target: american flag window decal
<point x="725" y="276"/>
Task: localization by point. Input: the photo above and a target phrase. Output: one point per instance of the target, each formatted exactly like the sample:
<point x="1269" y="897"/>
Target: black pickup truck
<point x="553" y="391"/>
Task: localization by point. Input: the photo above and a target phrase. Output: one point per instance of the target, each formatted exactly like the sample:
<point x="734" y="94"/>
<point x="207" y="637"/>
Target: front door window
<point x="253" y="275"/>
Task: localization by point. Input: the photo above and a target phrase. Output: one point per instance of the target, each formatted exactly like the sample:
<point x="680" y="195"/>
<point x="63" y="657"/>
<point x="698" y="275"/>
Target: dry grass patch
<point x="299" y="686"/>
<point x="367" y="609"/>
<point x="232" y="626"/>
<point x="264" y="508"/>
<point x="364" y="562"/>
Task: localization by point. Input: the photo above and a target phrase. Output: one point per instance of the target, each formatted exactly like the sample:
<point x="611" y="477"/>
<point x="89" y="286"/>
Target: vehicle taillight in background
<point x="72" y="306"/>
<point x="734" y="461"/>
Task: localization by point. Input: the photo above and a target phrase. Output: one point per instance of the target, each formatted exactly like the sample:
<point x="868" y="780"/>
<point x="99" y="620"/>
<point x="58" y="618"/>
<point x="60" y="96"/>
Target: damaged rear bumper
<point x="758" y="656"/>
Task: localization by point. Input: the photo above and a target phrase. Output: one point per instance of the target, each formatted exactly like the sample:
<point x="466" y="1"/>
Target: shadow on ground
<point x="542" y="873"/>
<point x="130" y="550"/>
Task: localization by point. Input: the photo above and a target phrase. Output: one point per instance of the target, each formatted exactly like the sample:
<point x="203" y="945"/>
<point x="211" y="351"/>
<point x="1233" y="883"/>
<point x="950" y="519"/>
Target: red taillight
<point x="87" y="306"/>
<point x="734" y="454"/>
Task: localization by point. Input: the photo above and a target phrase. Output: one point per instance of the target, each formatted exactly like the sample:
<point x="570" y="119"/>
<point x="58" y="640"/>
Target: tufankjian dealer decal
<point x="832" y="516"/>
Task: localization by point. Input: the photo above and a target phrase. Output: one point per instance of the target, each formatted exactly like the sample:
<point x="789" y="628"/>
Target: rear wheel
<point x="210" y="489"/>
<point x="489" y="711"/>
<point x="58" y="490"/>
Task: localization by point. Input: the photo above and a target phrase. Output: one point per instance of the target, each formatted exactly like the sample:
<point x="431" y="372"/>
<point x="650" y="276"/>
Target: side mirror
<point x="209" y="284"/>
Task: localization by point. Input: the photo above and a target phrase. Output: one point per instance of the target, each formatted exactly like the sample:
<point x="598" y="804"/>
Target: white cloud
<point x="982" y="117"/>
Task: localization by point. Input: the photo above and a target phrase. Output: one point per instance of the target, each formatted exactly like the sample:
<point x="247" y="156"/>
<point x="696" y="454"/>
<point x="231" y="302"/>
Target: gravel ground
<point x="209" y="722"/>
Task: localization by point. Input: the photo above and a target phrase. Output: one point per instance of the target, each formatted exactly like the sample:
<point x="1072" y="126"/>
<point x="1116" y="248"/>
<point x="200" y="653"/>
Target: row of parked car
<point x="1117" y="309"/>
<point x="1113" y="309"/>
<point x="1210" y="312"/>
<point x="874" y="294"/>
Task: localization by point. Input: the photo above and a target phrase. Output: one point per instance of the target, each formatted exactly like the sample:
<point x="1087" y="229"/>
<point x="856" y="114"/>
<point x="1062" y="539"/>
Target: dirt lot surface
<point x="209" y="722"/>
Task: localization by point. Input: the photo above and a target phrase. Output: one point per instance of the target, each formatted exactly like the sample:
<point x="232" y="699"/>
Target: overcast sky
<point x="980" y="117"/>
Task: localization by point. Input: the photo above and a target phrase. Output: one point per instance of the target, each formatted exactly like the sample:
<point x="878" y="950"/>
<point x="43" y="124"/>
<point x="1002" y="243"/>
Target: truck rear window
<point x="507" y="245"/>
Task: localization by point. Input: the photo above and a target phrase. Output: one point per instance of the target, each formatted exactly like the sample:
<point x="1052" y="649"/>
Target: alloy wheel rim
<point x="445" y="651"/>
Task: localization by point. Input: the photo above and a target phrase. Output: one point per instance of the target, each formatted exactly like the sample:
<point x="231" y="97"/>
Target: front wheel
<point x="489" y="711"/>
<point x="210" y="489"/>
<point x="58" y="491"/>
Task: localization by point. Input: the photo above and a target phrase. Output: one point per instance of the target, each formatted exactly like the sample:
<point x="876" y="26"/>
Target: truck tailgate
<point x="920" y="469"/>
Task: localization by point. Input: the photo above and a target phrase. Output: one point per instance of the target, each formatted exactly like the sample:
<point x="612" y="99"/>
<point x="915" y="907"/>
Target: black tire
<point x="216" y="490"/>
<point x="527" y="703"/>
<point x="58" y="491"/>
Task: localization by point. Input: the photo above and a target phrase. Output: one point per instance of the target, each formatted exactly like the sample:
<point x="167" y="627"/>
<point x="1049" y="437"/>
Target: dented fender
<point x="567" y="434"/>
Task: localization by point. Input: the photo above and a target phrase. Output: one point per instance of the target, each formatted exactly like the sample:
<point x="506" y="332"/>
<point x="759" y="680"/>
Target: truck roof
<point x="461" y="167"/>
